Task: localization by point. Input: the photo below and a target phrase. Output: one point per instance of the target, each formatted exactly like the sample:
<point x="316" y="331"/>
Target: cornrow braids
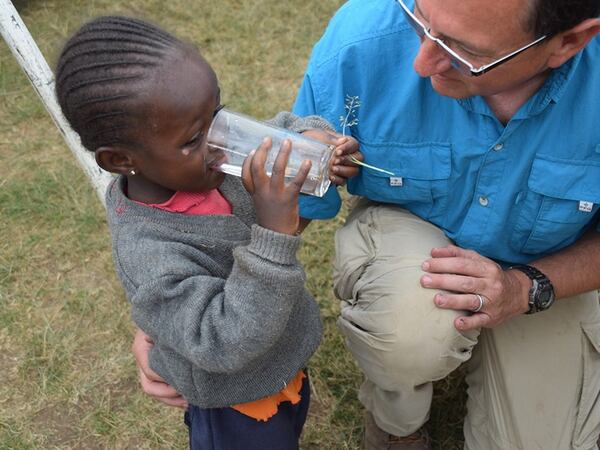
<point x="100" y="75"/>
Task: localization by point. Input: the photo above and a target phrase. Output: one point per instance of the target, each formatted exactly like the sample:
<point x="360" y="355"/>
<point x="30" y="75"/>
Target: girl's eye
<point x="194" y="141"/>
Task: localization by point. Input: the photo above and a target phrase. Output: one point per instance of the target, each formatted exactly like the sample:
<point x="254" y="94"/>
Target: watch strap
<point x="539" y="280"/>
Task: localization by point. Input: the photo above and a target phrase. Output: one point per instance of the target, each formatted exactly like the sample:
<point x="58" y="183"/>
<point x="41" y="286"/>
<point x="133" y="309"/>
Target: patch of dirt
<point x="61" y="422"/>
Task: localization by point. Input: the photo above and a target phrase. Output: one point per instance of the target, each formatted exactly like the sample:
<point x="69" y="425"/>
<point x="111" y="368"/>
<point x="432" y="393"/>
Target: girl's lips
<point x="217" y="162"/>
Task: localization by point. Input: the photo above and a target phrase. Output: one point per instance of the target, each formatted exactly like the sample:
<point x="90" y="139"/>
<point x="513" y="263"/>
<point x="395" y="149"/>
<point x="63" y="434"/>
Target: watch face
<point x="541" y="294"/>
<point x="545" y="297"/>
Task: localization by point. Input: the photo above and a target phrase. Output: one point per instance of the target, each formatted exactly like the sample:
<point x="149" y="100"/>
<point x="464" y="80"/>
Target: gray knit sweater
<point x="222" y="298"/>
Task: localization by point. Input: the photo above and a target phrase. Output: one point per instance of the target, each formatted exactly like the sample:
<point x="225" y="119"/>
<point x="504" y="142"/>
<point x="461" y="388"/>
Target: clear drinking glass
<point x="237" y="135"/>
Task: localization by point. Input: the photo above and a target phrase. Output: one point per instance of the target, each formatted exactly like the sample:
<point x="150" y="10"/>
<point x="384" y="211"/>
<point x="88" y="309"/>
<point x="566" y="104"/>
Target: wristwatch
<point x="541" y="293"/>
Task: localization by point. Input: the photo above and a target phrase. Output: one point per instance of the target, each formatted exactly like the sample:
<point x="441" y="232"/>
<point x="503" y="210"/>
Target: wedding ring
<point x="481" y="302"/>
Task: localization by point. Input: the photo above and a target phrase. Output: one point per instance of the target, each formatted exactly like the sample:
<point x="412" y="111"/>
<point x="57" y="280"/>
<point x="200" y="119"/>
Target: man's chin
<point x="449" y="87"/>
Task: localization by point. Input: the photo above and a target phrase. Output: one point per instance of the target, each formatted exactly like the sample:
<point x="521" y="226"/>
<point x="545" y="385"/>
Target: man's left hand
<point x="464" y="274"/>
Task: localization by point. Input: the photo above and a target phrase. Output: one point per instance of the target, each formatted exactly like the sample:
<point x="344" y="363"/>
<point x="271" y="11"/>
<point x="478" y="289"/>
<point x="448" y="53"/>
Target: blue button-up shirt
<point x="513" y="193"/>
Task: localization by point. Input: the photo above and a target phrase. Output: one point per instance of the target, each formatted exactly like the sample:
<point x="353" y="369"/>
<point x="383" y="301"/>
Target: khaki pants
<point x="534" y="381"/>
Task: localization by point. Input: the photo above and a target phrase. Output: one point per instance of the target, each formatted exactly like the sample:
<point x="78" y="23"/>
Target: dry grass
<point x="68" y="376"/>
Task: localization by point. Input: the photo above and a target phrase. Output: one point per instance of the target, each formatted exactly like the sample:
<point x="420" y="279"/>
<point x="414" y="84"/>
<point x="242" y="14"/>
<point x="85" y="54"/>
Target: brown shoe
<point x="377" y="439"/>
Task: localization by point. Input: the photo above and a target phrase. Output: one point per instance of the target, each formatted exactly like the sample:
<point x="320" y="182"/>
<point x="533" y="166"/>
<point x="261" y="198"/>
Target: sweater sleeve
<point x="219" y="324"/>
<point x="298" y="124"/>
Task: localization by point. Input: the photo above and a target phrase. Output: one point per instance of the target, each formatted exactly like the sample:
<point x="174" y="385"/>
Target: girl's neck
<point x="141" y="190"/>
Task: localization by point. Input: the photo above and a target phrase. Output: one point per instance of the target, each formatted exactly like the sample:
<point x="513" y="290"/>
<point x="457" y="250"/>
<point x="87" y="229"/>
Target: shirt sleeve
<point x="311" y="207"/>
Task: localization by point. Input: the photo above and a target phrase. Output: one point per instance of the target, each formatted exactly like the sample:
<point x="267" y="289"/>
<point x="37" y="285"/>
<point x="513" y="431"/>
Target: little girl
<point x="210" y="268"/>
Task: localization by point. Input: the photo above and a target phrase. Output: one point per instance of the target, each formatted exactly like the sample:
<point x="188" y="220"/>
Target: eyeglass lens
<point x="421" y="32"/>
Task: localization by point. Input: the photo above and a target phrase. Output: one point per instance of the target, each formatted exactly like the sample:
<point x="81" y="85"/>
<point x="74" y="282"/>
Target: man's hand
<point x="341" y="166"/>
<point x="152" y="383"/>
<point x="466" y="273"/>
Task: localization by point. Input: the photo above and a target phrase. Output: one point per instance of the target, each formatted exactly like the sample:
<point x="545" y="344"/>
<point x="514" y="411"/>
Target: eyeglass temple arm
<point x="486" y="68"/>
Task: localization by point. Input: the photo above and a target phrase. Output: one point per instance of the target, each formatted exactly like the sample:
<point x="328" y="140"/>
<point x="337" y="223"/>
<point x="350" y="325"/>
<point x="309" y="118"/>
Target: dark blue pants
<point x="228" y="429"/>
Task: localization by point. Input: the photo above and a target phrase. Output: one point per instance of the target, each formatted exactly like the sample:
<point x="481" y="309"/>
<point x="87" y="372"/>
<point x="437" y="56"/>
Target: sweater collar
<point x="231" y="188"/>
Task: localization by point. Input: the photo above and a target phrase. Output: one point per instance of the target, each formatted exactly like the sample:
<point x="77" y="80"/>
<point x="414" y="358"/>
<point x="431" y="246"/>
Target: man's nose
<point x="431" y="59"/>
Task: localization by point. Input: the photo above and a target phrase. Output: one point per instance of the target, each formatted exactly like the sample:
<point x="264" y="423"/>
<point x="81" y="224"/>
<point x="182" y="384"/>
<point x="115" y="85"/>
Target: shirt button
<point x="498" y="147"/>
<point x="483" y="200"/>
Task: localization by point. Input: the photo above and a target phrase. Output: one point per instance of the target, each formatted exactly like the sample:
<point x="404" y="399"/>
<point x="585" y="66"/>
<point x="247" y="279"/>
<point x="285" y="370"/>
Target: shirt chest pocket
<point x="417" y="179"/>
<point x="562" y="199"/>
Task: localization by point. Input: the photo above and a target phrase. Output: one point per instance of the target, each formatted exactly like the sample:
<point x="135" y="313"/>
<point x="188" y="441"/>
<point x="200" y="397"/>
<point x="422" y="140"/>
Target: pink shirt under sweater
<point x="200" y="203"/>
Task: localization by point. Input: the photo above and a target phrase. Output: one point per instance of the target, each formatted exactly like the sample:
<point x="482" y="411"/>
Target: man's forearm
<point x="576" y="269"/>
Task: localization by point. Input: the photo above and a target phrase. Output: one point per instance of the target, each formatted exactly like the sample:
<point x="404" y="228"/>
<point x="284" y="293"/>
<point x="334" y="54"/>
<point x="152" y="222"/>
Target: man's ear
<point x="115" y="160"/>
<point x="573" y="40"/>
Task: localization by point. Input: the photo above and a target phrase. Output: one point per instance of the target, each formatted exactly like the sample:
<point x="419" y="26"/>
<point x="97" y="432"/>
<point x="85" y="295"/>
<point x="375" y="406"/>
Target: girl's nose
<point x="431" y="59"/>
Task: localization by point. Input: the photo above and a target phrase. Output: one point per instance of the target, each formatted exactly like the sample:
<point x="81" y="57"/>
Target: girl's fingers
<point x="257" y="167"/>
<point x="280" y="165"/>
<point x="344" y="172"/>
<point x="337" y="141"/>
<point x="338" y="181"/>
<point x="331" y="139"/>
<point x="356" y="155"/>
<point x="247" y="180"/>
<point x="350" y="160"/>
<point x="300" y="177"/>
<point x="324" y="136"/>
<point x="347" y="148"/>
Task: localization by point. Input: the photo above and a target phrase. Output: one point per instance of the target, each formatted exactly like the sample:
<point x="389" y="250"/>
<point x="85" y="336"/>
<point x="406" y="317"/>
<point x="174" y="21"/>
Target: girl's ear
<point x="573" y="40"/>
<point x="115" y="160"/>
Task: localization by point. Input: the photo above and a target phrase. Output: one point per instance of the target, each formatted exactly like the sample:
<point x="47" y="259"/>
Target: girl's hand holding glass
<point x="341" y="166"/>
<point x="276" y="202"/>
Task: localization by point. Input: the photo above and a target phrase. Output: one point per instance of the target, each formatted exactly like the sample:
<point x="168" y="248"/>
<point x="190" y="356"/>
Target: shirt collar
<point x="181" y="202"/>
<point x="555" y="86"/>
<point x="550" y="92"/>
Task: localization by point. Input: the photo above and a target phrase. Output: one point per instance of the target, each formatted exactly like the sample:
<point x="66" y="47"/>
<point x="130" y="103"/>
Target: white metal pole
<point x="32" y="62"/>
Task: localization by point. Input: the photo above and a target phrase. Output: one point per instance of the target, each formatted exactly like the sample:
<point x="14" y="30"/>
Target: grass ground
<point x="68" y="378"/>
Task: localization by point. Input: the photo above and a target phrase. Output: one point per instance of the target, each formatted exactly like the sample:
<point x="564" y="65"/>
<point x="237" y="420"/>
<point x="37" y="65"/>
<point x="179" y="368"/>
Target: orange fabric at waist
<point x="265" y="408"/>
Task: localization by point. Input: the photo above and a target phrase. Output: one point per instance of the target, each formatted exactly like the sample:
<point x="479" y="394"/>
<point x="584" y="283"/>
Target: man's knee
<point x="392" y="327"/>
<point x="395" y="350"/>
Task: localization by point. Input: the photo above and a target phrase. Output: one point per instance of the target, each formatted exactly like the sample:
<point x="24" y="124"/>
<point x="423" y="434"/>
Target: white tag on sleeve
<point x="585" y="206"/>
<point x="396" y="181"/>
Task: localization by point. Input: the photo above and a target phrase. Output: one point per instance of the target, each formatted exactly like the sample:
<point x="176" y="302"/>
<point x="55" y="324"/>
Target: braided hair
<point x="100" y="75"/>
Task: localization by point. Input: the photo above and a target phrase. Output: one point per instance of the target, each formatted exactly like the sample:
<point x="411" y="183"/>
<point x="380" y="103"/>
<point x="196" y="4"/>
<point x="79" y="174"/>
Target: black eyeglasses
<point x="457" y="61"/>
